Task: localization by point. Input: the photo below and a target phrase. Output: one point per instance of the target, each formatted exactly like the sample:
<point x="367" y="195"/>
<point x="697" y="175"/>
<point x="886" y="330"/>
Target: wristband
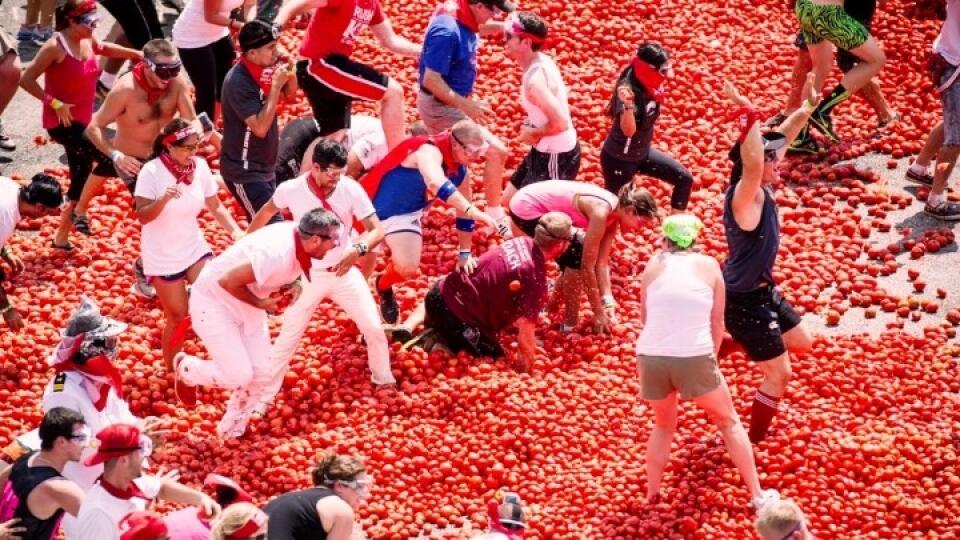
<point x="748" y="117"/>
<point x="362" y="248"/>
<point x="607" y="301"/>
<point x="811" y="104"/>
<point x="447" y="189"/>
<point x="55" y="104"/>
<point x="117" y="155"/>
<point x="466" y="224"/>
<point x="464" y="255"/>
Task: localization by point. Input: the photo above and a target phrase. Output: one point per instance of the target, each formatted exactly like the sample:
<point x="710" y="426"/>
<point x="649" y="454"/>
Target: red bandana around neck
<point x="460" y="10"/>
<point x="649" y="78"/>
<point x="183" y="173"/>
<point x="139" y="75"/>
<point x="98" y="367"/>
<point x="302" y="256"/>
<point x="126" y="494"/>
<point x="263" y="75"/>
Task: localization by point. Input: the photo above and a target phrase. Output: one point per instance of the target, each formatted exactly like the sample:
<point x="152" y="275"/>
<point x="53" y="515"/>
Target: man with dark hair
<point x="331" y="80"/>
<point x="229" y="303"/>
<point x="756" y="315"/>
<point x="448" y="72"/>
<point x="141" y="103"/>
<point x="251" y="91"/>
<point x="41" y="493"/>
<point x="42" y="197"/>
<point x="122" y="489"/>
<point x="336" y="275"/>
<point x="467" y="309"/>
<point x="555" y="151"/>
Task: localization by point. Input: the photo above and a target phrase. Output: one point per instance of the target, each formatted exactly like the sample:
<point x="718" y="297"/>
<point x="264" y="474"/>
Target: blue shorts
<point x="951" y="109"/>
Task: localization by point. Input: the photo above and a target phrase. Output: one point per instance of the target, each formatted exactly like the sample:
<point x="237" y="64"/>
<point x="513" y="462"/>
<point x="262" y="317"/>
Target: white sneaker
<point x="236" y="417"/>
<point x="141" y="285"/>
<point x="765" y="497"/>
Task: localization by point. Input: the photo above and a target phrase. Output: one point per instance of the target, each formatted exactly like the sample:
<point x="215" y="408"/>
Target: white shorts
<point x="404" y="223"/>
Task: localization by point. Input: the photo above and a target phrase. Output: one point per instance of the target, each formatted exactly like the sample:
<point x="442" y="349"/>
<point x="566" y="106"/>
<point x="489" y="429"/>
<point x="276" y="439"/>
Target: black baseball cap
<point x="256" y="34"/>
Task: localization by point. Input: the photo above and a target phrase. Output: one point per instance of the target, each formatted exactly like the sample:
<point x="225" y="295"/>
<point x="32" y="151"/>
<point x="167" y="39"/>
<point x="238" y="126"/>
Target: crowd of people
<point x="354" y="183"/>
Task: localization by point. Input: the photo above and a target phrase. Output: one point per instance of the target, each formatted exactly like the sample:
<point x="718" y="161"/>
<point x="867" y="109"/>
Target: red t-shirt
<point x="485" y="299"/>
<point x="334" y="29"/>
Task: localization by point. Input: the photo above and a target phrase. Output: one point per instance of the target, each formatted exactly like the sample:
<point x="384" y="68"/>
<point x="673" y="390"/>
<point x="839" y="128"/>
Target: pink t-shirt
<point x="537" y="199"/>
<point x="185" y="524"/>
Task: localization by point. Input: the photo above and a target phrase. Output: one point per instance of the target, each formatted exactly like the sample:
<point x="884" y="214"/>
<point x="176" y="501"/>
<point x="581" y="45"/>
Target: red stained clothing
<point x="72" y="81"/>
<point x="488" y="299"/>
<point x="334" y="29"/>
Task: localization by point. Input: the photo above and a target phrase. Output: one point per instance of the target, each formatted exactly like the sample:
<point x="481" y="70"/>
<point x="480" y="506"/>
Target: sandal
<point x="65" y="247"/>
<point x="81" y="224"/>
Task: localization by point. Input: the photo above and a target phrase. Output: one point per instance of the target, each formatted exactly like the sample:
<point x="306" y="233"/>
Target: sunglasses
<point x="83" y="437"/>
<point x="333" y="172"/>
<point x="89" y="20"/>
<point x="187" y="147"/>
<point x="472" y="150"/>
<point x="164" y="71"/>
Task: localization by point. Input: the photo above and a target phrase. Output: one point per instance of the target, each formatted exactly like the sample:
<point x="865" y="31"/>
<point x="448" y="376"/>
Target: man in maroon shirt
<point x="467" y="309"/>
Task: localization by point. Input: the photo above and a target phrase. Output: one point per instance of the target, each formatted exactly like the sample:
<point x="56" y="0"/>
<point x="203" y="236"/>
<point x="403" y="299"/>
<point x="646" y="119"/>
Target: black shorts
<point x="454" y="333"/>
<point x="537" y="166"/>
<point x="138" y="18"/>
<point x="758" y="320"/>
<point x="572" y="258"/>
<point x="332" y="83"/>
<point x="252" y="196"/>
<point x="83" y="157"/>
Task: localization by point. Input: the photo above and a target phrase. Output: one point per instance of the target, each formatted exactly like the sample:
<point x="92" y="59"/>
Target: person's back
<point x="537" y="199"/>
<point x="678" y="304"/>
<point x="293" y="516"/>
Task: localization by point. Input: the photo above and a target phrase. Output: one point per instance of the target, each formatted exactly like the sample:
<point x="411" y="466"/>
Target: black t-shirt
<point x="293" y="516"/>
<point x="646" y="111"/>
<point x="295" y="137"/>
<point x="245" y="157"/>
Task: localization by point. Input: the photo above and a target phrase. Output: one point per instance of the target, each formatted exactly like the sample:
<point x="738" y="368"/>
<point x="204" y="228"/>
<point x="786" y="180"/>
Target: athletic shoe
<point x="141" y="286"/>
<point x="389" y="309"/>
<point x="236" y="417"/>
<point x="81" y="224"/>
<point x="775" y="120"/>
<point x="42" y="35"/>
<point x="924" y="178"/>
<point x="824" y="124"/>
<point x="806" y="145"/>
<point x="765" y="497"/>
<point x="6" y="143"/>
<point x="398" y="334"/>
<point x="945" y="211"/>
<point x="27" y="33"/>
<point x="184" y="392"/>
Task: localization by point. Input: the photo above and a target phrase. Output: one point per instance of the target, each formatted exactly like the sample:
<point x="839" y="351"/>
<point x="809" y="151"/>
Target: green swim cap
<point x="682" y="229"/>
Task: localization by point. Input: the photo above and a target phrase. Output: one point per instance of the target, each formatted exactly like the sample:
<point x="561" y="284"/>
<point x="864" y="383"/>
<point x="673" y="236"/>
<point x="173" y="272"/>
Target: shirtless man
<point x="141" y="103"/>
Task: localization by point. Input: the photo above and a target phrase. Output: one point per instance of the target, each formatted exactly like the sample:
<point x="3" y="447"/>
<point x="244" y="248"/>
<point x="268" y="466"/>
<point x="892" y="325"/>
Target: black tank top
<point x="752" y="253"/>
<point x="24" y="479"/>
<point x="293" y="516"/>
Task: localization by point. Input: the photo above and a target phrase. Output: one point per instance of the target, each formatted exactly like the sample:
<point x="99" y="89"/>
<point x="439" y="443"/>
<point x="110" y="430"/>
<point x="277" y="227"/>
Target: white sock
<point x="108" y="79"/>
<point x="496" y="212"/>
<point x="935" y="199"/>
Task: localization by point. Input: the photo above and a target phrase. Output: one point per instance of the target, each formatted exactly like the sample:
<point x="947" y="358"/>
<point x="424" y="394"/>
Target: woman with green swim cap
<point x="682" y="328"/>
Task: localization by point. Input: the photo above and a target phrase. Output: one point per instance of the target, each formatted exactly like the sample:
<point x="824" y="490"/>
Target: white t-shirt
<point x="348" y="201"/>
<point x="9" y="208"/>
<point x="948" y="42"/>
<point x="100" y="514"/>
<point x="173" y="241"/>
<point x="192" y="31"/>
<point x="361" y="126"/>
<point x="565" y="140"/>
<point x="370" y="149"/>
<point x="272" y="254"/>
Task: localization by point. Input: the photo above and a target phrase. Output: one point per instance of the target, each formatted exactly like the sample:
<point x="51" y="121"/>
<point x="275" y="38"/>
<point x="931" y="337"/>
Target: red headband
<point x="83" y="7"/>
<point x="179" y="135"/>
<point x="517" y="29"/>
<point x="249" y="528"/>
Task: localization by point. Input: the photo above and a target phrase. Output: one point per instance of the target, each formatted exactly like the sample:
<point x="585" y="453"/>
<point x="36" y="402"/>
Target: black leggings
<point x="138" y="18"/>
<point x="207" y="66"/>
<point x="617" y="173"/>
<point x="81" y="155"/>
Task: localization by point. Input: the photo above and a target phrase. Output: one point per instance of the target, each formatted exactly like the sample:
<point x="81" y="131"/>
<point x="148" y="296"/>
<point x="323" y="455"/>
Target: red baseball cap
<point x="115" y="441"/>
<point x="143" y="526"/>
<point x="227" y="490"/>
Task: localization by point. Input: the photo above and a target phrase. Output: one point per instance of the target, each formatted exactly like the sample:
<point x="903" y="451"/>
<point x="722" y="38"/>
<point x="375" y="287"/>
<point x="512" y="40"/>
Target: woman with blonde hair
<point x="240" y="521"/>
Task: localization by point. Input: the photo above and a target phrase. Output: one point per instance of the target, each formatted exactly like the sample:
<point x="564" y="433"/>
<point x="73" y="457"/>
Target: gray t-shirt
<point x="245" y="157"/>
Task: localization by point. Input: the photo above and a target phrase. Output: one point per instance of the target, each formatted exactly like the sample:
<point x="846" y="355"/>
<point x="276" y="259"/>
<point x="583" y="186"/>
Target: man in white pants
<point x="335" y="276"/>
<point x="229" y="304"/>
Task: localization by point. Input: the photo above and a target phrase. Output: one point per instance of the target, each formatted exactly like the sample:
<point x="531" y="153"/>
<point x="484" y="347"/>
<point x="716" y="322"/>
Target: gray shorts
<point x="951" y="109"/>
<point x="437" y="115"/>
<point x="692" y="377"/>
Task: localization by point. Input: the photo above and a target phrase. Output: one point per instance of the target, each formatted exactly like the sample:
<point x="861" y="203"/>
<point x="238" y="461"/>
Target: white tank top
<point x="565" y="140"/>
<point x="192" y="31"/>
<point x="678" y="306"/>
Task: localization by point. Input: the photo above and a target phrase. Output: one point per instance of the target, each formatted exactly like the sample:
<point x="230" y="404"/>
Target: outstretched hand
<point x="734" y="95"/>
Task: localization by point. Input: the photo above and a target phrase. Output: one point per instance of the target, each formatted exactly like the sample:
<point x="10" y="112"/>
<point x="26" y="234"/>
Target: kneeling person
<point x="469" y="307"/>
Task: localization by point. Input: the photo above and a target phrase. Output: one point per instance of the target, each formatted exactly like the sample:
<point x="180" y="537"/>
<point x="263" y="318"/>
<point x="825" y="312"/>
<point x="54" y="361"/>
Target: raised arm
<point x="794" y="123"/>
<point x="291" y="9"/>
<point x="394" y="42"/>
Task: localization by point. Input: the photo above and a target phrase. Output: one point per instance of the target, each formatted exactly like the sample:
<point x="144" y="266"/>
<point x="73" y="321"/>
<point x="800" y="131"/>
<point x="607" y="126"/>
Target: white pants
<point x="352" y="294"/>
<point x="238" y="345"/>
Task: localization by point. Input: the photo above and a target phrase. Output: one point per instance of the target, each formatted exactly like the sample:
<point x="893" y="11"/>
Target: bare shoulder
<point x="334" y="508"/>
